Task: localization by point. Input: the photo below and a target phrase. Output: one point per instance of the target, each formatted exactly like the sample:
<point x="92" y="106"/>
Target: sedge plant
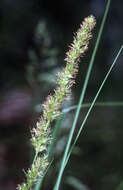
<point x="41" y="134"/>
<point x="68" y="149"/>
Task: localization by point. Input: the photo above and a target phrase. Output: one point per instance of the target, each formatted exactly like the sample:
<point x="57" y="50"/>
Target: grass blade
<point x="87" y="105"/>
<point x="56" y="187"/>
<point x="93" y="102"/>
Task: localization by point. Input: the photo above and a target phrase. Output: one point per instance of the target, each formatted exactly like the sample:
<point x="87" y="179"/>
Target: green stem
<point x="92" y="104"/>
<point x="56" y="187"/>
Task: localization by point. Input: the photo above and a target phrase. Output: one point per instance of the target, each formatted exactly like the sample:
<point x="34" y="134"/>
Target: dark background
<point x="34" y="36"/>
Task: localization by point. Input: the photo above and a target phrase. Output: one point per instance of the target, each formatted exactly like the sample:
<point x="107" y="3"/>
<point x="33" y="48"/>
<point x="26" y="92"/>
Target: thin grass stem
<point x="63" y="163"/>
<point x="93" y="102"/>
<point x="98" y="104"/>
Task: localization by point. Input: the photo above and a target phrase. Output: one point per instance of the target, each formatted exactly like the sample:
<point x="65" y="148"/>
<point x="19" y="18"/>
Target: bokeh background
<point x="34" y="36"/>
